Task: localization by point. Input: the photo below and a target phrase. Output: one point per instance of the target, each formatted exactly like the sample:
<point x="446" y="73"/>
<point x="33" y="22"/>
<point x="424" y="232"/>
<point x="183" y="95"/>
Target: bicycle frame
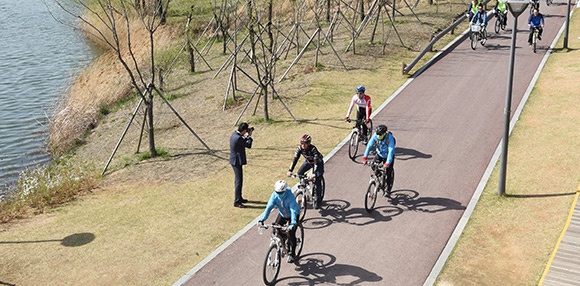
<point x="306" y="185"/>
<point x="278" y="236"/>
<point x="276" y="251"/>
<point x="378" y="174"/>
<point x="356" y="136"/>
<point x="278" y="248"/>
<point x="535" y="38"/>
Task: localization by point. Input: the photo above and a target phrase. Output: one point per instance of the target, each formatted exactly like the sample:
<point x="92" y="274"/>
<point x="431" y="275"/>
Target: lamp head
<point x="516" y="7"/>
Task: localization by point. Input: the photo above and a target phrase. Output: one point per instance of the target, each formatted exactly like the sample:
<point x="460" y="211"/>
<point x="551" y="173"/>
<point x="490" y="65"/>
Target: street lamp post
<point x="516" y="7"/>
<point x="567" y="25"/>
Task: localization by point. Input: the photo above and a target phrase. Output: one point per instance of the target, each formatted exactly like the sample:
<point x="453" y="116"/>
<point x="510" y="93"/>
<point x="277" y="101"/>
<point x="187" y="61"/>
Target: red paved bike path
<point x="448" y="123"/>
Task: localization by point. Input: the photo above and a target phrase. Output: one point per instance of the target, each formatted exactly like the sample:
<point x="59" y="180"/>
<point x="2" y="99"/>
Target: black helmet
<point x="381" y="129"/>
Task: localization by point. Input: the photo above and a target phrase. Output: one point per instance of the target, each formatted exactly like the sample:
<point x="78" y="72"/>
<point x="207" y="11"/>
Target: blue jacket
<point x="285" y="203"/>
<point x="385" y="147"/>
<point x="535" y="21"/>
<point x="479" y="18"/>
<point x="238" y="145"/>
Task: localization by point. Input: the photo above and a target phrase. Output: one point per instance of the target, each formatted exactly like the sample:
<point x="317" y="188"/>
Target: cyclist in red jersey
<point x="363" y="114"/>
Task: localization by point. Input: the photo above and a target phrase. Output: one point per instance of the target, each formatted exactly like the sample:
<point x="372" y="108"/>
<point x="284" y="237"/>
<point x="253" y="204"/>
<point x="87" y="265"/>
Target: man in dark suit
<point x="239" y="141"/>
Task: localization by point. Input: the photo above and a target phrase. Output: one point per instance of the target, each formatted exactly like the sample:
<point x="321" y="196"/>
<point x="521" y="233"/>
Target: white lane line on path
<point x="469" y="210"/>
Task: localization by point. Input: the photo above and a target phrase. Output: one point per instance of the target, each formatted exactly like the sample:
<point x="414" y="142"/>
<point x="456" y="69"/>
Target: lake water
<point x="38" y="57"/>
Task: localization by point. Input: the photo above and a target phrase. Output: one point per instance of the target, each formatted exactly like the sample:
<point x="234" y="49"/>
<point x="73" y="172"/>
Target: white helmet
<point x="280" y="186"/>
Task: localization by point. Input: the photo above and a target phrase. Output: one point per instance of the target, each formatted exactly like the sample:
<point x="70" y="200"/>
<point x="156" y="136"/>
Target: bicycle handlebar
<point x="276" y="226"/>
<point x="304" y="176"/>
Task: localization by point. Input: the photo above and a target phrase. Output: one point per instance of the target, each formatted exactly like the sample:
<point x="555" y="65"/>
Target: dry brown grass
<point x="104" y="82"/>
<point x="154" y="220"/>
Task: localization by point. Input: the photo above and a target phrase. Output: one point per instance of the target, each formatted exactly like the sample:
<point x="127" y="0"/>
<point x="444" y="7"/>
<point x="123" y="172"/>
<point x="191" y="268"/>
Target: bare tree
<point x="112" y="23"/>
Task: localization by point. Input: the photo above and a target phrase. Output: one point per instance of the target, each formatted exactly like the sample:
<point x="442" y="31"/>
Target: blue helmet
<point x="360" y="88"/>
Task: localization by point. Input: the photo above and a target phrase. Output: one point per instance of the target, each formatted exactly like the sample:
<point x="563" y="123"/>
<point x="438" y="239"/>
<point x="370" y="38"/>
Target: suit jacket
<point x="238" y="145"/>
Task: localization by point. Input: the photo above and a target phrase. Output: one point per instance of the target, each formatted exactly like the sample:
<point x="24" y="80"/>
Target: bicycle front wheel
<point x="301" y="200"/>
<point x="497" y="25"/>
<point x="353" y="145"/>
<point x="299" y="240"/>
<point x="271" y="265"/>
<point x="473" y="37"/>
<point x="371" y="196"/>
<point x="322" y="192"/>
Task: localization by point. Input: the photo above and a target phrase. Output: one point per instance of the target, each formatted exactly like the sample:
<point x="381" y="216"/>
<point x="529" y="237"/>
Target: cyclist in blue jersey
<point x="283" y="199"/>
<point x="536" y="20"/>
<point x="385" y="143"/>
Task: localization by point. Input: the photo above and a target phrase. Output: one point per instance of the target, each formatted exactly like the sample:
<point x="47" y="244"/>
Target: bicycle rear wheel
<point x="299" y="240"/>
<point x="271" y="265"/>
<point x="483" y="37"/>
<point x="371" y="196"/>
<point x="353" y="145"/>
<point x="301" y="200"/>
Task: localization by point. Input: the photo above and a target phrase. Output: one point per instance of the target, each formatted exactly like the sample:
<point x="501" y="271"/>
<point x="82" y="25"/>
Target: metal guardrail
<point x="429" y="47"/>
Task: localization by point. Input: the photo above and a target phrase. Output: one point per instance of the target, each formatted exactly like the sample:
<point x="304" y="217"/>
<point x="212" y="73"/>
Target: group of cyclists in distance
<point x="282" y="198"/>
<point x="477" y="15"/>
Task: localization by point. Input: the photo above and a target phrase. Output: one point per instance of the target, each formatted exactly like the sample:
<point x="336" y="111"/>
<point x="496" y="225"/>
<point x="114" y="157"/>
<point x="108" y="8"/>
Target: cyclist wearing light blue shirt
<point x="283" y="199"/>
<point x="385" y="146"/>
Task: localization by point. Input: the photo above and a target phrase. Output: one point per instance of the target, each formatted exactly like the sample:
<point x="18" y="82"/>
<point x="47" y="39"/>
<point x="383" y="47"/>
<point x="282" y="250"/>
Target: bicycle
<point x="279" y="247"/>
<point x="356" y="136"/>
<point x="535" y="38"/>
<point x="380" y="181"/>
<point x="305" y="194"/>
<point x="499" y="21"/>
<point x="478" y="34"/>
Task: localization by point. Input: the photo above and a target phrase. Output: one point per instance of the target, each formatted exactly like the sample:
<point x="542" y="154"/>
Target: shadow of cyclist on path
<point x="404" y="154"/>
<point x="424" y="204"/>
<point x="321" y="268"/>
<point x="339" y="211"/>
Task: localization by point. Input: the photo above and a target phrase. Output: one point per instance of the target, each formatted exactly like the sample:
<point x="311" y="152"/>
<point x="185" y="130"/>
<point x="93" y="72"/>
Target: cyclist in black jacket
<point x="313" y="161"/>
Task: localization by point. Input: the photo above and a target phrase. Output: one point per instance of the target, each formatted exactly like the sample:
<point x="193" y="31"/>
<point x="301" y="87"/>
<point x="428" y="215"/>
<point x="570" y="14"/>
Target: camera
<point x="251" y="129"/>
